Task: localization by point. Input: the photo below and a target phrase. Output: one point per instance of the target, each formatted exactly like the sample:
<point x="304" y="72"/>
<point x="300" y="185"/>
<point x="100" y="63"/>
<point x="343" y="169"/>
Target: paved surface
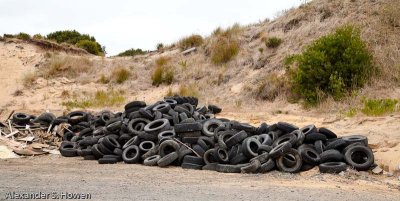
<point x="136" y="182"/>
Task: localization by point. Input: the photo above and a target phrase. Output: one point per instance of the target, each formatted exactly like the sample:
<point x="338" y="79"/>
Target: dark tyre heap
<point x="176" y="132"/>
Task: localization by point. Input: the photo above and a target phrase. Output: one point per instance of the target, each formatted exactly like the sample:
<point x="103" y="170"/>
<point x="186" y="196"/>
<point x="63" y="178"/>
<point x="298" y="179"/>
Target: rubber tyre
<point x="295" y="168"/>
<point x="252" y="167"/>
<point x="328" y="133"/>
<point x="309" y="155"/>
<point x="331" y="156"/>
<point x="267" y="166"/>
<point x="131" y="154"/>
<point x="355" y="151"/>
<point x="332" y="167"/>
<point x="250" y="147"/>
<point x="152" y="160"/>
<point x="107" y="160"/>
<point x="167" y="147"/>
<point x="236" y="138"/>
<point x="168" y="159"/>
<point x="210" y="125"/>
<point x="280" y="150"/>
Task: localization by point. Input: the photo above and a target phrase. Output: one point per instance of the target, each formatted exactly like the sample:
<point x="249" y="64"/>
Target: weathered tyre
<point x="280" y="150"/>
<point x="359" y="157"/>
<point x="291" y="169"/>
<point x="167" y="159"/>
<point x="152" y="160"/>
<point x="332" y="167"/>
<point x="131" y="154"/>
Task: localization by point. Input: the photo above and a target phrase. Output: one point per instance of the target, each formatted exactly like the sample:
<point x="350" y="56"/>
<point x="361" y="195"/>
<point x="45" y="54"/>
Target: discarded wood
<point x="9" y="124"/>
<point x="12" y="134"/>
<point x="26" y="139"/>
<point x="198" y="155"/>
<point x="9" y="116"/>
<point x="48" y="129"/>
<point x="188" y="51"/>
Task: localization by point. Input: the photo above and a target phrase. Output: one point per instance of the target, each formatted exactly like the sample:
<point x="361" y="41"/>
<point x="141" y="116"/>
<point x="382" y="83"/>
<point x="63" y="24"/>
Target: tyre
<point x="111" y="143"/>
<point x="168" y="147"/>
<point x="157" y="126"/>
<point x="356" y="138"/>
<point x="265" y="139"/>
<point x="262" y="129"/>
<point x="263" y="158"/>
<point x="221" y="155"/>
<point x="132" y="104"/>
<point x="209" y="157"/>
<point x="89" y="157"/>
<point x="359" y="157"/>
<point x="133" y="141"/>
<point x="163" y="108"/>
<point x="291" y="138"/>
<point x="145" y="146"/>
<point x="331" y="156"/>
<point x="187" y="127"/>
<point x="250" y="147"/>
<point x="210" y="166"/>
<point x="267" y="166"/>
<point x="210" y="125"/>
<point x="338" y="144"/>
<point x="199" y="150"/>
<point x="319" y="146"/>
<point x="332" y="167"/>
<point x="236" y="138"/>
<point x="286" y="127"/>
<point x="225" y="168"/>
<point x="168" y="134"/>
<point x="152" y="160"/>
<point x="312" y="137"/>
<point x="280" y="150"/>
<point x="206" y="143"/>
<point x="309" y="155"/>
<point x="193" y="160"/>
<point x="214" y="109"/>
<point x="291" y="169"/>
<point x="76" y="117"/>
<point x="191" y="166"/>
<point x="131" y="154"/>
<point x="308" y="129"/>
<point x="328" y="133"/>
<point x="300" y="137"/>
<point x="167" y="159"/>
<point x="21" y="118"/>
<point x="136" y="126"/>
<point x="252" y="167"/>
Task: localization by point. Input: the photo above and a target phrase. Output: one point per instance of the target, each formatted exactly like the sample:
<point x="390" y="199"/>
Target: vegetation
<point x="99" y="99"/>
<point x="120" y="74"/>
<point x="223" y="50"/>
<point x="190" y="41"/>
<point x="91" y="46"/>
<point x="188" y="90"/>
<point x="160" y="46"/>
<point x="23" y="36"/>
<point x="29" y="79"/>
<point x="379" y="107"/>
<point x="270" y="87"/>
<point x="103" y="79"/>
<point x="162" y="74"/>
<point x="332" y="65"/>
<point x="273" y="42"/>
<point x="131" y="52"/>
<point x="73" y="37"/>
<point x="38" y="36"/>
<point x="65" y="66"/>
<point x="391" y="14"/>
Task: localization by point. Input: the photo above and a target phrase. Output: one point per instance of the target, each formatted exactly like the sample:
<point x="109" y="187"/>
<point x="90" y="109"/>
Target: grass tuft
<point x="99" y="99"/>
<point x="120" y="74"/>
<point x="190" y="41"/>
<point x="273" y="42"/>
<point x="379" y="107"/>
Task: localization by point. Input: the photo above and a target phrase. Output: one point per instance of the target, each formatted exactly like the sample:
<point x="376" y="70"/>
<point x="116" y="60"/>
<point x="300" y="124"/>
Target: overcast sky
<point x="125" y="24"/>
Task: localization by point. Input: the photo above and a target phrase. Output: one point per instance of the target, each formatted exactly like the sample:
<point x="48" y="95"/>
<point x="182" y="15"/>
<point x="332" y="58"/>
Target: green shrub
<point x="162" y="75"/>
<point x="74" y="37"/>
<point x="223" y="50"/>
<point x="379" y="107"/>
<point x="120" y="75"/>
<point x="38" y="36"/>
<point x="190" y="41"/>
<point x="332" y="65"/>
<point x="273" y="42"/>
<point x="8" y="36"/>
<point x="131" y="52"/>
<point x="89" y="46"/>
<point x="23" y="36"/>
<point x="160" y="46"/>
<point x="98" y="100"/>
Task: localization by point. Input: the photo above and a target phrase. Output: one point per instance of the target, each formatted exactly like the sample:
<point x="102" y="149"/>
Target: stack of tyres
<point x="177" y="132"/>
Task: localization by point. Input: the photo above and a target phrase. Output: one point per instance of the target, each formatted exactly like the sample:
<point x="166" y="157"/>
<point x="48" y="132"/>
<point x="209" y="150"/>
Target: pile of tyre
<point x="178" y="132"/>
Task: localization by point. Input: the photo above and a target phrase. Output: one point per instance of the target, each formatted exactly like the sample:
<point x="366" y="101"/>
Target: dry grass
<point x="29" y="79"/>
<point x="190" y="41"/>
<point x="99" y="99"/>
<point x="224" y="49"/>
<point x="163" y="73"/>
<point x="189" y="90"/>
<point x="66" y="66"/>
<point x="391" y="13"/>
<point x="103" y="79"/>
<point x="162" y="61"/>
<point x="271" y="87"/>
<point x="120" y="74"/>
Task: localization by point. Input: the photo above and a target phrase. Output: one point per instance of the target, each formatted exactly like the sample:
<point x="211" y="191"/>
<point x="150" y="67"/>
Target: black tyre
<point x="338" y="144"/>
<point x="252" y="167"/>
<point x="107" y="160"/>
<point x="328" y="133"/>
<point x="331" y="156"/>
<point x="359" y="157"/>
<point x="225" y="168"/>
<point x="191" y="166"/>
<point x="309" y="155"/>
<point x="319" y="146"/>
<point x="236" y="138"/>
<point x="291" y="169"/>
<point x="76" y="117"/>
<point x="221" y="155"/>
<point x="167" y="147"/>
<point x="187" y="127"/>
<point x="210" y="125"/>
<point x="209" y="157"/>
<point x="312" y="137"/>
<point x="68" y="149"/>
<point x="280" y="150"/>
<point x="291" y="138"/>
<point x="356" y="138"/>
<point x="250" y="147"/>
<point x="267" y="166"/>
<point x="152" y="160"/>
<point x="168" y="159"/>
<point x="193" y="160"/>
<point x="157" y="126"/>
<point x="145" y="146"/>
<point x="332" y="167"/>
<point x="308" y="129"/>
<point x="286" y="127"/>
<point x="133" y="141"/>
<point x="111" y="143"/>
<point x="214" y="109"/>
<point x="131" y="154"/>
<point x="265" y="139"/>
<point x="89" y="157"/>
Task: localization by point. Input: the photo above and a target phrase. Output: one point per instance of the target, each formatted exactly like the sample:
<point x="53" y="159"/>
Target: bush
<point x="131" y="52"/>
<point x="273" y="42"/>
<point x="90" y="46"/>
<point x="332" y="65"/>
<point x="65" y="66"/>
<point x="99" y="99"/>
<point x="224" y="49"/>
<point x="74" y="37"/>
<point x="190" y="41"/>
<point x="120" y="75"/>
<point x="378" y="107"/>
<point x="23" y="36"/>
<point x="270" y="87"/>
<point x="160" y="46"/>
<point x="162" y="75"/>
<point x="38" y="36"/>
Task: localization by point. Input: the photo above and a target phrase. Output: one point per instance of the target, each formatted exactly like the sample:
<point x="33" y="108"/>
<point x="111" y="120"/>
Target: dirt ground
<point x="137" y="182"/>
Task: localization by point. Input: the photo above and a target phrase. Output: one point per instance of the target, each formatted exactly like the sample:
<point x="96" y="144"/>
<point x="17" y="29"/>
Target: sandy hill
<point x="33" y="79"/>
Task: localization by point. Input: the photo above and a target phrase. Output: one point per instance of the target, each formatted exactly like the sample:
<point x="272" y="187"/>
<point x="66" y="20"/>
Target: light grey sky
<point x="125" y="24"/>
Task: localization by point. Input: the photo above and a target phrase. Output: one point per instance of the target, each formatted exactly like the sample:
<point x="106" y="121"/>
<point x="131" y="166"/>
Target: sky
<point x="123" y="24"/>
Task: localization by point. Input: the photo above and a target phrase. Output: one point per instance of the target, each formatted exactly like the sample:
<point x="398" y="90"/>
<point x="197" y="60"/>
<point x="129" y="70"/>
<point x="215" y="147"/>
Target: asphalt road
<point x="50" y="174"/>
